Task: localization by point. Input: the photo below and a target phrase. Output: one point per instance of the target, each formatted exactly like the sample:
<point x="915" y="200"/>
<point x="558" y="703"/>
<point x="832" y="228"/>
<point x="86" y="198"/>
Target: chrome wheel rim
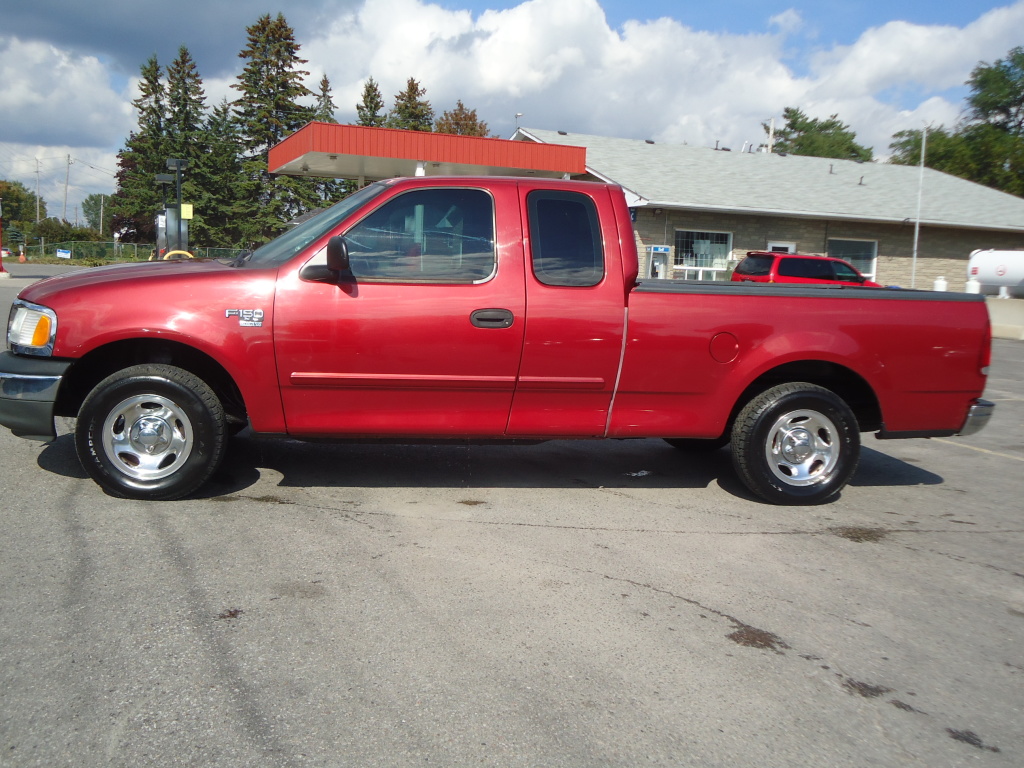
<point x="802" y="448"/>
<point x="147" y="437"/>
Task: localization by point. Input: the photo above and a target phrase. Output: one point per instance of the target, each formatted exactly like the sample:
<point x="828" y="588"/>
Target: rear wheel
<point x="796" y="443"/>
<point x="152" y="432"/>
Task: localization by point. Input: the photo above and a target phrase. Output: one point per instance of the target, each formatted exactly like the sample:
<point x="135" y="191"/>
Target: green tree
<point x="214" y="177"/>
<point x="411" y="111"/>
<point x="325" y="107"/>
<point x="19" y="204"/>
<point x="270" y="85"/>
<point x="370" y="110"/>
<point x="186" y="104"/>
<point x="803" y="135"/>
<point x="987" y="147"/>
<point x="188" y="138"/>
<point x="997" y="93"/>
<point x="96" y="210"/>
<point x="137" y="199"/>
<point x="461" y="122"/>
<point x="55" y="230"/>
<point x="268" y="110"/>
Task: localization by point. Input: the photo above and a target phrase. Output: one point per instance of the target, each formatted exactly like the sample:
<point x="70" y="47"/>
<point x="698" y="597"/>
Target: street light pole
<point x="917" y="221"/>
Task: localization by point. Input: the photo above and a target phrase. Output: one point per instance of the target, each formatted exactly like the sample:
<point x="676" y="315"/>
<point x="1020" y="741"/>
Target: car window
<point x="565" y="238"/>
<point x="846" y="273"/>
<point x="439" y="235"/>
<point x="811" y="269"/>
<point x="755" y="266"/>
<point x="294" y="240"/>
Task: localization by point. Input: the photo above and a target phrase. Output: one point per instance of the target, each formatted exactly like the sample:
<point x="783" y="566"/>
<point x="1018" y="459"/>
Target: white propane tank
<point x="940" y="284"/>
<point x="995" y="270"/>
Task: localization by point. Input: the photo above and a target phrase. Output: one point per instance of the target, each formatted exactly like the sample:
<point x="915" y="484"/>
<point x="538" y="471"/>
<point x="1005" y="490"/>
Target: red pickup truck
<point x="480" y="309"/>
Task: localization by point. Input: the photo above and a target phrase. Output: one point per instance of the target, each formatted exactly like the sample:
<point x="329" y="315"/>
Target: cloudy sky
<point x="680" y="71"/>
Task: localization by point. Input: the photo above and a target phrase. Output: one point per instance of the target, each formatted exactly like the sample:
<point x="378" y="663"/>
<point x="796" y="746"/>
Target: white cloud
<point x="788" y="22"/>
<point x="563" y="66"/>
<point x="44" y="92"/>
<point x="560" y="64"/>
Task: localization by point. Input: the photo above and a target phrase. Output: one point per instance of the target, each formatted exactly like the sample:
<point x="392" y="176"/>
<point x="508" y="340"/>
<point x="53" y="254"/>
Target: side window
<point x="846" y="273"/>
<point x="565" y="238"/>
<point x="437" y="235"/>
<point x="812" y="269"/>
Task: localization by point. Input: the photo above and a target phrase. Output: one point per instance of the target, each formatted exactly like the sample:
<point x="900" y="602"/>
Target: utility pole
<point x="37" y="190"/>
<point x="102" y="198"/>
<point x="67" y="178"/>
<point x="917" y="221"/>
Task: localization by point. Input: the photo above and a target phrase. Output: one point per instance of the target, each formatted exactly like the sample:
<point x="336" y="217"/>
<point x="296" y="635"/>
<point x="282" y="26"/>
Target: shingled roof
<point x="701" y="178"/>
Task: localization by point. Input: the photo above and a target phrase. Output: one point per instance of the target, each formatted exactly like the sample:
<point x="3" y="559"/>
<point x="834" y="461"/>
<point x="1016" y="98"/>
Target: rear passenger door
<point x="575" y="314"/>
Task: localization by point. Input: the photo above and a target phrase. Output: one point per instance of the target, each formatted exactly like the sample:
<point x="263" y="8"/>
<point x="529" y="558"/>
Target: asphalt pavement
<point x="566" y="604"/>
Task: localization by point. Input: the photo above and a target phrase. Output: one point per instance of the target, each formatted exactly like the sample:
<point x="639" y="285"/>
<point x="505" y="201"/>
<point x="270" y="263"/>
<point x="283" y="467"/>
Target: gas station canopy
<point x="369" y="154"/>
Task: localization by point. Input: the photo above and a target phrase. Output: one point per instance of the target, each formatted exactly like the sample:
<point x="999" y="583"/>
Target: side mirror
<point x="337" y="266"/>
<point x="337" y="254"/>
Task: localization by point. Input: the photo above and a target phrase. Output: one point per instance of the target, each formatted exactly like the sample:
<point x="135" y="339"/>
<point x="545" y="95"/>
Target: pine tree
<point x="461" y="122"/>
<point x="267" y="111"/>
<point x="271" y="84"/>
<point x="411" y="111"/>
<point x="216" y="173"/>
<point x="327" y="190"/>
<point x="325" y="106"/>
<point x="135" y="204"/>
<point x="186" y="103"/>
<point x="370" y="111"/>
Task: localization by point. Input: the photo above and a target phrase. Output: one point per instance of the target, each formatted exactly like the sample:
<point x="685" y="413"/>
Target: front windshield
<point x="282" y="248"/>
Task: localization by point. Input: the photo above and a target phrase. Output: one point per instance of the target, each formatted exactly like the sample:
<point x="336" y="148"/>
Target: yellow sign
<point x="186" y="210"/>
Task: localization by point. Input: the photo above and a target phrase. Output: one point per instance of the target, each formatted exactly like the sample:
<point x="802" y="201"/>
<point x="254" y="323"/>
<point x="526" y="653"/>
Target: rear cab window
<point x="565" y="238"/>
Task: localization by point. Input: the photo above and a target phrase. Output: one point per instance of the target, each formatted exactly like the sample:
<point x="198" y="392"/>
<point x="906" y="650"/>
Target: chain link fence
<point x="113" y="252"/>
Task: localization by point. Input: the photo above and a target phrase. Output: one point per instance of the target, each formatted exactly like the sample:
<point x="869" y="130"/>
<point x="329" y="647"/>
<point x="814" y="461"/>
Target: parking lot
<point x="566" y="604"/>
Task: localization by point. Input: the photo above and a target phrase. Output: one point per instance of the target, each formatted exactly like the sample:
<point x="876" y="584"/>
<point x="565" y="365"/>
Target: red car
<point x="479" y="310"/>
<point x="770" y="267"/>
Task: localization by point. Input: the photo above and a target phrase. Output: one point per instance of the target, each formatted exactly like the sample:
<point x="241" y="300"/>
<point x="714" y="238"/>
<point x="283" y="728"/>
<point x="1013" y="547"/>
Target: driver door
<point x="424" y="338"/>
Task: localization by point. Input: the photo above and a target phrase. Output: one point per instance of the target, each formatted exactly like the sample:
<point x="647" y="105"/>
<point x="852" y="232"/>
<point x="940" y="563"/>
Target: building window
<point x="702" y="255"/>
<point x="862" y="254"/>
<point x="775" y="246"/>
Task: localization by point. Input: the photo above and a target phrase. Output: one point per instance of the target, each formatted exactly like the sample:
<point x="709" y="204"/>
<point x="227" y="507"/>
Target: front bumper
<point x="28" y="394"/>
<point x="977" y="417"/>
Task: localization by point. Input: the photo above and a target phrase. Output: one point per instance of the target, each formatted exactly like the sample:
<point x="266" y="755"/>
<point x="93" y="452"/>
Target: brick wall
<point x="941" y="252"/>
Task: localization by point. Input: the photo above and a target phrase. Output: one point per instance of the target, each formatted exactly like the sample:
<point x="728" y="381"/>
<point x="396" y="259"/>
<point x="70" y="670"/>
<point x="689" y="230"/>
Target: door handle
<point x="492" y="318"/>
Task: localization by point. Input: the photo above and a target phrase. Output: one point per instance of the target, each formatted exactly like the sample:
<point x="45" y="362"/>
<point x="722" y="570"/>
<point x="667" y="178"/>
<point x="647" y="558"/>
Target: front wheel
<point x="151" y="432"/>
<point x="796" y="443"/>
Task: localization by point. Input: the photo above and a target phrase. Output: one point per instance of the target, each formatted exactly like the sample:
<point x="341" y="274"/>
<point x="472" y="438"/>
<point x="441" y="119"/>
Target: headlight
<point x="31" y="329"/>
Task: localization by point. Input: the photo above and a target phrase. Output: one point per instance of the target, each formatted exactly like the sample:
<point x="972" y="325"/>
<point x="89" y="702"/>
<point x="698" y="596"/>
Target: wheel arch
<point x="99" y="363"/>
<point x="850" y="386"/>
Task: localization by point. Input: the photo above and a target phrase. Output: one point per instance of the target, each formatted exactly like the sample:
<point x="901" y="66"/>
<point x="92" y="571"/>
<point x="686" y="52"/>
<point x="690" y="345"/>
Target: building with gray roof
<point x="698" y="210"/>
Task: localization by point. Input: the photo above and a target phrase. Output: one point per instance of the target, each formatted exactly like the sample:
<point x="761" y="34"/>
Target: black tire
<point x="796" y="443"/>
<point x="698" y="445"/>
<point x="151" y="432"/>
